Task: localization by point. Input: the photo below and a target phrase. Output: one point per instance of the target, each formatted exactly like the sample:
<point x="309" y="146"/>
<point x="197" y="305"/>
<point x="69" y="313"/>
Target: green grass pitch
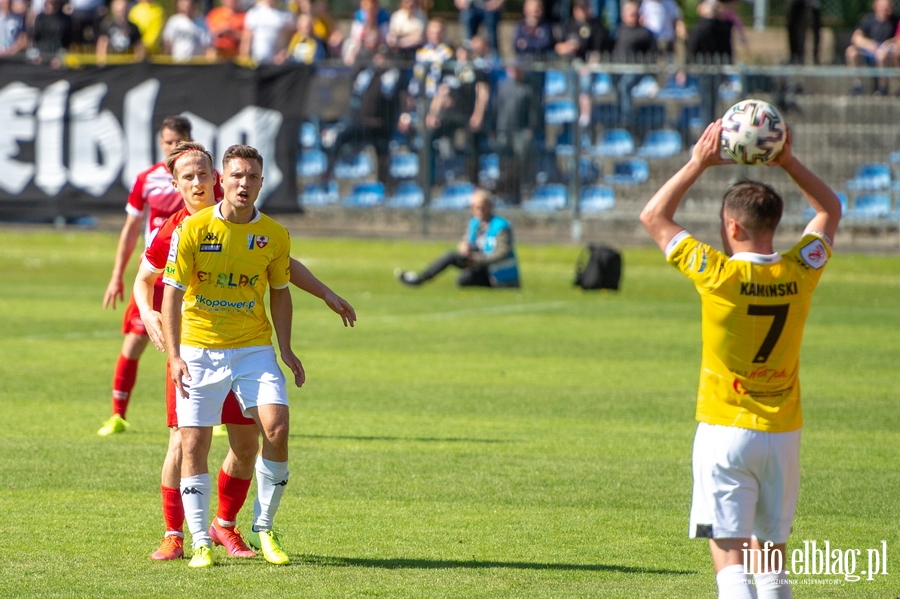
<point x="531" y="443"/>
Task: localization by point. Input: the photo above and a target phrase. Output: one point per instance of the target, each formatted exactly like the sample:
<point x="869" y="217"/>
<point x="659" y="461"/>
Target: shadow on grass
<point x="427" y="564"/>
<point x="410" y="439"/>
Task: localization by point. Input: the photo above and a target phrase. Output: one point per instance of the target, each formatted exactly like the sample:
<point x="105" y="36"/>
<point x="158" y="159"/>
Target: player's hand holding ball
<point x="753" y="133"/>
<point x="707" y="150"/>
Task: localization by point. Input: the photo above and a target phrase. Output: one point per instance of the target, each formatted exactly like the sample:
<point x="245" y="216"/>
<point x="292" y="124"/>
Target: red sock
<point x="123" y="383"/>
<point x="173" y="510"/>
<point x="232" y="495"/>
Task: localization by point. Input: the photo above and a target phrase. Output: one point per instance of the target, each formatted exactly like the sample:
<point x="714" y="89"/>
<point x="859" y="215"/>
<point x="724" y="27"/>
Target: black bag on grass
<point x="598" y="267"/>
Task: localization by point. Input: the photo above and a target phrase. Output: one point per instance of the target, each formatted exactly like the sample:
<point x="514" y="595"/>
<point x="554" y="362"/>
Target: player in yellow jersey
<point x="193" y="175"/>
<point x="754" y="304"/>
<point x="219" y="339"/>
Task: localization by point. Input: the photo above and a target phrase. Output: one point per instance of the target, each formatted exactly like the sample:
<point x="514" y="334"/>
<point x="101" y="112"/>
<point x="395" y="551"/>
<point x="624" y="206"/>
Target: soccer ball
<point x="753" y="132"/>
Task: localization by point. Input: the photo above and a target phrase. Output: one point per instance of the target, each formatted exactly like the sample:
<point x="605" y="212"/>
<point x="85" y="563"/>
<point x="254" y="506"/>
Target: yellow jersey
<point x="224" y="269"/>
<point x="754" y="308"/>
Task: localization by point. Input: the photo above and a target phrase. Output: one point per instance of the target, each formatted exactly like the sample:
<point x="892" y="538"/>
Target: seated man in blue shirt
<point x="486" y="254"/>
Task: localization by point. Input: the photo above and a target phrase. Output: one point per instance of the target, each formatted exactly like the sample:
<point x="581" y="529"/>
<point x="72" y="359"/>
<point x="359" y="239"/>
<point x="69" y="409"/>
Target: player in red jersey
<point x="152" y="200"/>
<point x="192" y="169"/>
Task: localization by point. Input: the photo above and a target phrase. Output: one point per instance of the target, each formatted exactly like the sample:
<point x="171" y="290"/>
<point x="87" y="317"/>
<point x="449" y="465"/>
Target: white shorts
<point x="745" y="483"/>
<point x="252" y="372"/>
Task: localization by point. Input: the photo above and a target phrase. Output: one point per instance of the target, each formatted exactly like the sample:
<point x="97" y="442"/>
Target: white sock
<point x="773" y="585"/>
<point x="734" y="584"/>
<point x="271" y="478"/>
<point x="195" y="495"/>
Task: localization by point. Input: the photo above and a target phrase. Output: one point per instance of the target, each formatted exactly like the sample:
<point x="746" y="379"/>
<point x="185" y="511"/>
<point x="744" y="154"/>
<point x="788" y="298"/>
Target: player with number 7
<point x="754" y="304"/>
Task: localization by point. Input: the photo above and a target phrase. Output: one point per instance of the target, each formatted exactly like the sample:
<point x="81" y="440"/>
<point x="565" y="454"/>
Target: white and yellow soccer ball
<point x="753" y="132"/>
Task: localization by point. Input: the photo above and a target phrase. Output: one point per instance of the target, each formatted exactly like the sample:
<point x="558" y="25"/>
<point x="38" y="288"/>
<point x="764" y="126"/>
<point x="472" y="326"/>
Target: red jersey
<point x="153" y="188"/>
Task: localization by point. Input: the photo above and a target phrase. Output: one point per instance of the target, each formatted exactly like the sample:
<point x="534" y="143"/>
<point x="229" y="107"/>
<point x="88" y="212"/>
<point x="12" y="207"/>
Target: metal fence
<point x="641" y="123"/>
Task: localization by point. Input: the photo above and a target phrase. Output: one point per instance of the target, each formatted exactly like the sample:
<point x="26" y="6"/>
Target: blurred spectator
<point x="13" y="37"/>
<point x="185" y="35"/>
<point x="226" y="27"/>
<point x="267" y="30"/>
<point x="664" y="20"/>
<point x="709" y="42"/>
<point x="727" y="11"/>
<point x="52" y="33"/>
<point x="583" y="33"/>
<point x="429" y="61"/>
<point x="585" y="38"/>
<point x="406" y="30"/>
<point x="872" y="43"/>
<point x="305" y="47"/>
<point x="369" y="28"/>
<point x="150" y="18"/>
<point x="534" y="34"/>
<point x="323" y="25"/>
<point x="460" y="106"/>
<point x="634" y="43"/>
<point x="486" y="255"/>
<point x="803" y="14"/>
<point x="86" y="16"/>
<point x="710" y="39"/>
<point x="370" y="13"/>
<point x="515" y="124"/>
<point x="118" y="35"/>
<point x="375" y="107"/>
<point x="472" y="13"/>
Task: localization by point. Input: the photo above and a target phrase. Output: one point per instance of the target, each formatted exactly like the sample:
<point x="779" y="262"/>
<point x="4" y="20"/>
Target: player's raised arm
<point x="819" y="195"/>
<point x="658" y="216"/>
<point x="303" y="279"/>
<point x="282" y="309"/>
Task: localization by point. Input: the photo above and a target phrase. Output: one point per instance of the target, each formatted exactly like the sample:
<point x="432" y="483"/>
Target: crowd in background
<point x="304" y="31"/>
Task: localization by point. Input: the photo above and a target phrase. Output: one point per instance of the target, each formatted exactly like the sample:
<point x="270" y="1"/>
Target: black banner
<point x="72" y="141"/>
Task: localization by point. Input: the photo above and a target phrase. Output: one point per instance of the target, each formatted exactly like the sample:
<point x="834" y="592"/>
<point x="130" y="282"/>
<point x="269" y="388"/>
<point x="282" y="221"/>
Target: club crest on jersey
<point x="814" y="254"/>
<point x="259" y="241"/>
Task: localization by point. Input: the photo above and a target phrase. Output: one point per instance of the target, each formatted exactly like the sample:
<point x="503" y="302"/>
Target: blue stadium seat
<point x="680" y="93"/>
<point x="646" y="88"/>
<point x="660" y="143"/>
<point x="366" y="194"/>
<point x="555" y="83"/>
<point x="873" y="176"/>
<point x="615" y="143"/>
<point x="596" y="198"/>
<point x="488" y="169"/>
<point x="319" y="194"/>
<point x="602" y="85"/>
<point x="309" y="135"/>
<point x="355" y="167"/>
<point x="311" y="163"/>
<point x="404" y="165"/>
<point x="731" y="88"/>
<point x="632" y="171"/>
<point x="560" y="112"/>
<point x="407" y="195"/>
<point x="871" y="206"/>
<point x="546" y="198"/>
<point x="454" y="196"/>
